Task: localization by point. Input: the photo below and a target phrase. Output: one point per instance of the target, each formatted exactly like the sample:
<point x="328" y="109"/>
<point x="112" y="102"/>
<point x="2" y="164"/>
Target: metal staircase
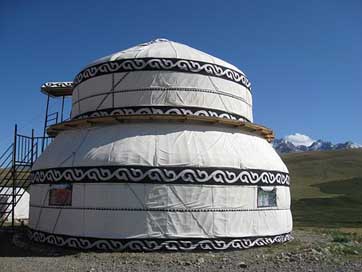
<point x="15" y="166"/>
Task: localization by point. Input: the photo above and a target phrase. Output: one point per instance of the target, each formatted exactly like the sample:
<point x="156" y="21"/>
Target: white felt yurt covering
<point x="160" y="184"/>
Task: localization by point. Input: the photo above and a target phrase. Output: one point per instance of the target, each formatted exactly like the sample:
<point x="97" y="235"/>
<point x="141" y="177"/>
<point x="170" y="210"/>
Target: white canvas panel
<point x="187" y="52"/>
<point x="166" y="98"/>
<point x="111" y="224"/>
<point x="115" y="224"/>
<point x="191" y="197"/>
<point x="94" y="86"/>
<point x="169" y="79"/>
<point x="101" y="148"/>
<point x="45" y="219"/>
<point x="78" y="194"/>
<point x="161" y="144"/>
<point x="34" y="214"/>
<point x="178" y="196"/>
<point x="106" y="102"/>
<point x="68" y="222"/>
<point x="190" y="224"/>
<point x="261" y="222"/>
<point x="93" y="103"/>
<point x="159" y="196"/>
<point x="75" y="106"/>
<point x="39" y="194"/>
<point x="283" y="197"/>
<point x="134" y="80"/>
<point x="234" y="197"/>
<point x="156" y="196"/>
<point x="156" y="222"/>
<point x="252" y="223"/>
<point x="135" y="89"/>
<point x="112" y="195"/>
<point x="62" y="150"/>
<point x="160" y="224"/>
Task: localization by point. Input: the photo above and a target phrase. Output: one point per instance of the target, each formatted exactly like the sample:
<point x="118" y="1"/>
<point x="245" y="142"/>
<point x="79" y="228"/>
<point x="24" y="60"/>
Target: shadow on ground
<point x="14" y="243"/>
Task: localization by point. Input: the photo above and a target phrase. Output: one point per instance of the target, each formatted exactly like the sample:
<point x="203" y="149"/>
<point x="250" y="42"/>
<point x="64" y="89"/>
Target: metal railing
<point x="15" y="167"/>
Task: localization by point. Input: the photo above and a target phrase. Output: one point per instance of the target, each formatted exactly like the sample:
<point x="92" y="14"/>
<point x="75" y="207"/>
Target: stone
<point x="242" y="265"/>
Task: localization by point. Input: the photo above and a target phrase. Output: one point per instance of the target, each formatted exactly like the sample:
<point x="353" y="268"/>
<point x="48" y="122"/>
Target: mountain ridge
<point x="284" y="145"/>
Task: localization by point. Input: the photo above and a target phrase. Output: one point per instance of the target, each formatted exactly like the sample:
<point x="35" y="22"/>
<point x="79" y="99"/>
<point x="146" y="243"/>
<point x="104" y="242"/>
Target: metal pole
<point x="14" y="178"/>
<point x="45" y="123"/>
<point x="32" y="148"/>
<point x="61" y="117"/>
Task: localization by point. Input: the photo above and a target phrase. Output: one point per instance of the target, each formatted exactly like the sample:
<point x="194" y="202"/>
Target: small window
<point x="267" y="197"/>
<point x="60" y="195"/>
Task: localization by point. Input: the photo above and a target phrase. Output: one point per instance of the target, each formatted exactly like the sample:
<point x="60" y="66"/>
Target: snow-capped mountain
<point x="301" y="143"/>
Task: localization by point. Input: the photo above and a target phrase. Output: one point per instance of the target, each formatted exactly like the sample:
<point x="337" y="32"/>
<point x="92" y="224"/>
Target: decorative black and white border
<point x="58" y="85"/>
<point x="162" y="64"/>
<point x="169" y="175"/>
<point x="154" y="244"/>
<point x="161" y="110"/>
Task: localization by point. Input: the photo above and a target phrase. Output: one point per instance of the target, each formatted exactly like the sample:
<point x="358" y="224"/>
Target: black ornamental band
<point x="161" y="175"/>
<point x="163" y="64"/>
<point x="157" y="244"/>
<point x="161" y="110"/>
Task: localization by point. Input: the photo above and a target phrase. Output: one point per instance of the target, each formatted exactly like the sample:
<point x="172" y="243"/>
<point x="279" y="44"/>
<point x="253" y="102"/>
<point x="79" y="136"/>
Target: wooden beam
<point x="243" y="126"/>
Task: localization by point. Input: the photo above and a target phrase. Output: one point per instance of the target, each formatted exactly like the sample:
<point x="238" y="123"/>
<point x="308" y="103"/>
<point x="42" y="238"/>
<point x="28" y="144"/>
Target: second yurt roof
<point x="162" y="76"/>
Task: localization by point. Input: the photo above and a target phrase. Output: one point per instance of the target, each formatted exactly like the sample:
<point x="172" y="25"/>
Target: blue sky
<point x="304" y="58"/>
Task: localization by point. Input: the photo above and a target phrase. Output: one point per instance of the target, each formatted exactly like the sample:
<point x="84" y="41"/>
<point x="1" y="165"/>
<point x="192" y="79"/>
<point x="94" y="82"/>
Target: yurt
<point x="160" y="153"/>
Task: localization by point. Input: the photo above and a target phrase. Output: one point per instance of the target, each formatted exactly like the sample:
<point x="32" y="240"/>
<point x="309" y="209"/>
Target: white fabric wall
<point x="248" y="220"/>
<point x="160" y="144"/>
<point x="161" y="88"/>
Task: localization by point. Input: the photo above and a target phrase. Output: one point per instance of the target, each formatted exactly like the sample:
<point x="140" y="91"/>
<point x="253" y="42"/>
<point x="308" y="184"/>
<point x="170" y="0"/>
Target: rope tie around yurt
<point x="111" y="91"/>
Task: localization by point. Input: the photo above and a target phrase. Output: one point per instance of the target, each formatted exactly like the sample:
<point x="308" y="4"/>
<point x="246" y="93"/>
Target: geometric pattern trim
<point x="161" y="110"/>
<point x="57" y="85"/>
<point x="162" y="64"/>
<point x="160" y="175"/>
<point x="150" y="244"/>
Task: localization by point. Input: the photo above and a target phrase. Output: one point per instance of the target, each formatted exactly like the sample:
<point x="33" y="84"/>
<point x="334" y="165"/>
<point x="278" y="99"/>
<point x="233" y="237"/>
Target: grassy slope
<point x="326" y="188"/>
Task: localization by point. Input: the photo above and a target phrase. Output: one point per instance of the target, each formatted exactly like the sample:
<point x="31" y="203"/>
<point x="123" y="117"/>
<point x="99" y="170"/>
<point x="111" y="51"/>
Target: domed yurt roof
<point x="164" y="48"/>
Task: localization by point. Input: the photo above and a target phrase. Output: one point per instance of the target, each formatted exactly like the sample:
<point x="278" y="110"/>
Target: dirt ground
<point x="311" y="250"/>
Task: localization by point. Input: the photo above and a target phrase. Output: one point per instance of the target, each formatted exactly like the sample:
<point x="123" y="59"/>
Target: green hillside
<point x="326" y="188"/>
